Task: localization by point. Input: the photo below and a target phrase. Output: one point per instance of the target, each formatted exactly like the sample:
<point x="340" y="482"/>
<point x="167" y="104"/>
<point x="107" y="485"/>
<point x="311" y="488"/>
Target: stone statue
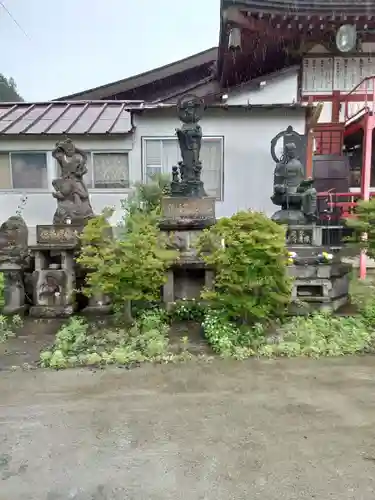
<point x="190" y="109"/>
<point x="73" y="201"/>
<point x="13" y="261"/>
<point x="295" y="195"/>
<point x="13" y="240"/>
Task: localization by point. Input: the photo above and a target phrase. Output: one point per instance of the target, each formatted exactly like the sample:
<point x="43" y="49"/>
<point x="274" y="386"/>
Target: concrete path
<point x="289" y="429"/>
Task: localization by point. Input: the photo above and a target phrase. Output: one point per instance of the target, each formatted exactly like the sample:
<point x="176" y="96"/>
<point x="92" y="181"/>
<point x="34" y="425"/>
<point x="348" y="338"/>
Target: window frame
<point x="220" y="138"/>
<point x="22" y="190"/>
<point x="90" y="153"/>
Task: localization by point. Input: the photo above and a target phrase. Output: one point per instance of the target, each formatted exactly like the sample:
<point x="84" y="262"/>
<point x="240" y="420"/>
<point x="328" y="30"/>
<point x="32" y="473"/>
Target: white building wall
<point x="248" y="166"/>
<point x="279" y="90"/>
<point x="40" y="206"/>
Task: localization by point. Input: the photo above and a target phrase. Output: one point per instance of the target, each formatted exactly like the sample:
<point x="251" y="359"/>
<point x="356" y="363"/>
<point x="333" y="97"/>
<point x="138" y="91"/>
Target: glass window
<point x="23" y="171"/>
<point x="160" y="155"/>
<point x="110" y="170"/>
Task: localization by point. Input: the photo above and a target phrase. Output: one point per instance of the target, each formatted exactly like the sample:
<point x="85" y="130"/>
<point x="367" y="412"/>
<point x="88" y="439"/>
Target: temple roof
<point x="306" y="7"/>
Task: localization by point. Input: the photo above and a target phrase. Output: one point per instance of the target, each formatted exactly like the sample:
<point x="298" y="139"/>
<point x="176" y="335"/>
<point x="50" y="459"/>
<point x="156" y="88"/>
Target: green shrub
<point x="8" y="326"/>
<point x="187" y="310"/>
<point x="79" y="344"/>
<point x="248" y="254"/>
<point x="133" y="266"/>
<point x="364" y="222"/>
<point x="1" y="290"/>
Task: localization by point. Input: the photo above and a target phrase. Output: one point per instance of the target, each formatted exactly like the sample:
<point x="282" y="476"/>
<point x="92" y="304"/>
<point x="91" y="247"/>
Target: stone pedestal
<point x="14" y="289"/>
<point x="54" y="275"/>
<point x="183" y="219"/>
<point x="323" y="287"/>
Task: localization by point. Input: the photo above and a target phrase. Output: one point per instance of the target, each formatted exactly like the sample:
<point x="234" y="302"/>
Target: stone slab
<point x="55" y="234"/>
<point x="180" y="212"/>
<point x="304" y="235"/>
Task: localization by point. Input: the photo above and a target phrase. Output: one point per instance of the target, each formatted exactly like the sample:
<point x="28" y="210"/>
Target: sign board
<point x="58" y="234"/>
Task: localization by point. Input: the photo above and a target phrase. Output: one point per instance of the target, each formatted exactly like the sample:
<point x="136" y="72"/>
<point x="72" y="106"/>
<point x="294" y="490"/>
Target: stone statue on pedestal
<point x="186" y="178"/>
<point x="73" y="202"/>
<point x="292" y="192"/>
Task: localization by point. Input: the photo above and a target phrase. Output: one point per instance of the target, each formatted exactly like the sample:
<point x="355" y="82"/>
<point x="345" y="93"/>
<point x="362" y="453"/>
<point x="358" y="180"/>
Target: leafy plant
<point x="8" y="326"/>
<point x="1" y="290"/>
<point x="79" y="344"/>
<point x="133" y="266"/>
<point x="363" y="226"/>
<point x="187" y="310"/>
<point x="248" y="254"/>
<point x="321" y="335"/>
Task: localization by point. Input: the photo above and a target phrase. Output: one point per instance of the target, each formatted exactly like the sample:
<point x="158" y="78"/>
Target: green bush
<point x="364" y="222"/>
<point x="79" y="344"/>
<point x="133" y="266"/>
<point x="1" y="290"/>
<point x="8" y="326"/>
<point x="248" y="254"/>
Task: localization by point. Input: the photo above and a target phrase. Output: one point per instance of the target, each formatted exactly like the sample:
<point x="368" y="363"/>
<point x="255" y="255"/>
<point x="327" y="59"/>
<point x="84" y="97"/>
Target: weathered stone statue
<point x="295" y="195"/>
<point x="187" y="176"/>
<point x="73" y="201"/>
<point x="13" y="260"/>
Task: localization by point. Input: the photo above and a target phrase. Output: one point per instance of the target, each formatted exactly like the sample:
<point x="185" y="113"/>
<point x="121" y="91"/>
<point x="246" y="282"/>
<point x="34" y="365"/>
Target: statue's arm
<point x="82" y="153"/>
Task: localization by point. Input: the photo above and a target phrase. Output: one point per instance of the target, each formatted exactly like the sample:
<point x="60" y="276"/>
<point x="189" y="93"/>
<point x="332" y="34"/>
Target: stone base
<point x="319" y="287"/>
<point x="14" y="311"/>
<point x="297" y="309"/>
<point x="179" y="213"/>
<point x="51" y="311"/>
<point x="289" y="217"/>
<point x="97" y="310"/>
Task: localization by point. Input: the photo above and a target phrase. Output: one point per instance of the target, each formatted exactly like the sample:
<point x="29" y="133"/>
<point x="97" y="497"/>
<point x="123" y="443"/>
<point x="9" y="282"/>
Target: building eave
<point x="105" y="91"/>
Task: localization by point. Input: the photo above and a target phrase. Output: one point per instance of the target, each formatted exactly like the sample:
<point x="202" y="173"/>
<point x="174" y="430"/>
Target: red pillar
<point x="368" y="128"/>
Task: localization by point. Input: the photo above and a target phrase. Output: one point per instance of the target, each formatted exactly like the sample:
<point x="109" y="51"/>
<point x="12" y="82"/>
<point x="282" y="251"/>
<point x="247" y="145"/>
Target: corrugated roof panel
<point x="66" y="121"/>
<point x="106" y="119"/>
<point x="123" y="123"/>
<point x="13" y="116"/>
<point x="87" y="120"/>
<point x="47" y="120"/>
<point x="27" y="120"/>
<point x="58" y="118"/>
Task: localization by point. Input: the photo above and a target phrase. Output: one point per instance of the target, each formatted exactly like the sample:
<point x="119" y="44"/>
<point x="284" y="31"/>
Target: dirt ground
<point x="288" y="429"/>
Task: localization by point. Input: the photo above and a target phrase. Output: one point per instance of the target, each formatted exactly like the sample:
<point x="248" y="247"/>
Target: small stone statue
<point x="189" y="137"/>
<point x="13" y="260"/>
<point x="295" y="195"/>
<point x="73" y="202"/>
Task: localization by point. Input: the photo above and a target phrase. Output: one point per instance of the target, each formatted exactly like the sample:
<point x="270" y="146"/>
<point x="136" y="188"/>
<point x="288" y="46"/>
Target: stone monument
<point x="73" y="201"/>
<point x="14" y="257"/>
<point x="321" y="281"/>
<point x="292" y="192"/>
<point x="188" y="210"/>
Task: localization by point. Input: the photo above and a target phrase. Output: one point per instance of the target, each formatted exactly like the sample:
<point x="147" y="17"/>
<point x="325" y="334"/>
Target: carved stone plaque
<point x="58" y="234"/>
<point x="299" y="236"/>
<point x="194" y="208"/>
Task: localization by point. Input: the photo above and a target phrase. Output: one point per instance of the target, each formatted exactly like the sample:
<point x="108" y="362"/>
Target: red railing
<point x="332" y="205"/>
<point x="361" y="99"/>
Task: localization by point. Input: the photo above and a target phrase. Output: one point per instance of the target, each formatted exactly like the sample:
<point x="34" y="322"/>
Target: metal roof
<point x="73" y="118"/>
<point x="328" y="7"/>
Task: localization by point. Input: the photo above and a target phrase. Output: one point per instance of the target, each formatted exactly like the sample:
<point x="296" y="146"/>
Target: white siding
<point x="40" y="205"/>
<point x="248" y="166"/>
<point x="280" y="90"/>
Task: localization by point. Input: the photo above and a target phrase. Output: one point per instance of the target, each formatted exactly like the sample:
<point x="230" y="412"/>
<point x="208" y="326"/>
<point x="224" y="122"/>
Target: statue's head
<point x="190" y="108"/>
<point x="67" y="146"/>
<point x="290" y="150"/>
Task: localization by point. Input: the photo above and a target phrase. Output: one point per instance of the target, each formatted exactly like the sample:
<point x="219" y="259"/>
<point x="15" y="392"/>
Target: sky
<point x="74" y="45"/>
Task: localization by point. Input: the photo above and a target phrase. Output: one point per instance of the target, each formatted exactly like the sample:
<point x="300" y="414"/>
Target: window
<point x="160" y="155"/>
<point x="107" y="170"/>
<point x="21" y="170"/>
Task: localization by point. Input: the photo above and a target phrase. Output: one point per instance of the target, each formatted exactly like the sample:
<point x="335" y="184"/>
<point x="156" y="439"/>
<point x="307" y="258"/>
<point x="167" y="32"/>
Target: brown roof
<point x="74" y="118"/>
<point x="106" y="91"/>
<point x="328" y="7"/>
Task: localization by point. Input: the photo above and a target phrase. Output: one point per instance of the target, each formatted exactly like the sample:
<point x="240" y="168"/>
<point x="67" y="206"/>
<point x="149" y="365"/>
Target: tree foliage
<point x="133" y="266"/>
<point x="364" y="224"/>
<point x="8" y="90"/>
<point x="248" y="254"/>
